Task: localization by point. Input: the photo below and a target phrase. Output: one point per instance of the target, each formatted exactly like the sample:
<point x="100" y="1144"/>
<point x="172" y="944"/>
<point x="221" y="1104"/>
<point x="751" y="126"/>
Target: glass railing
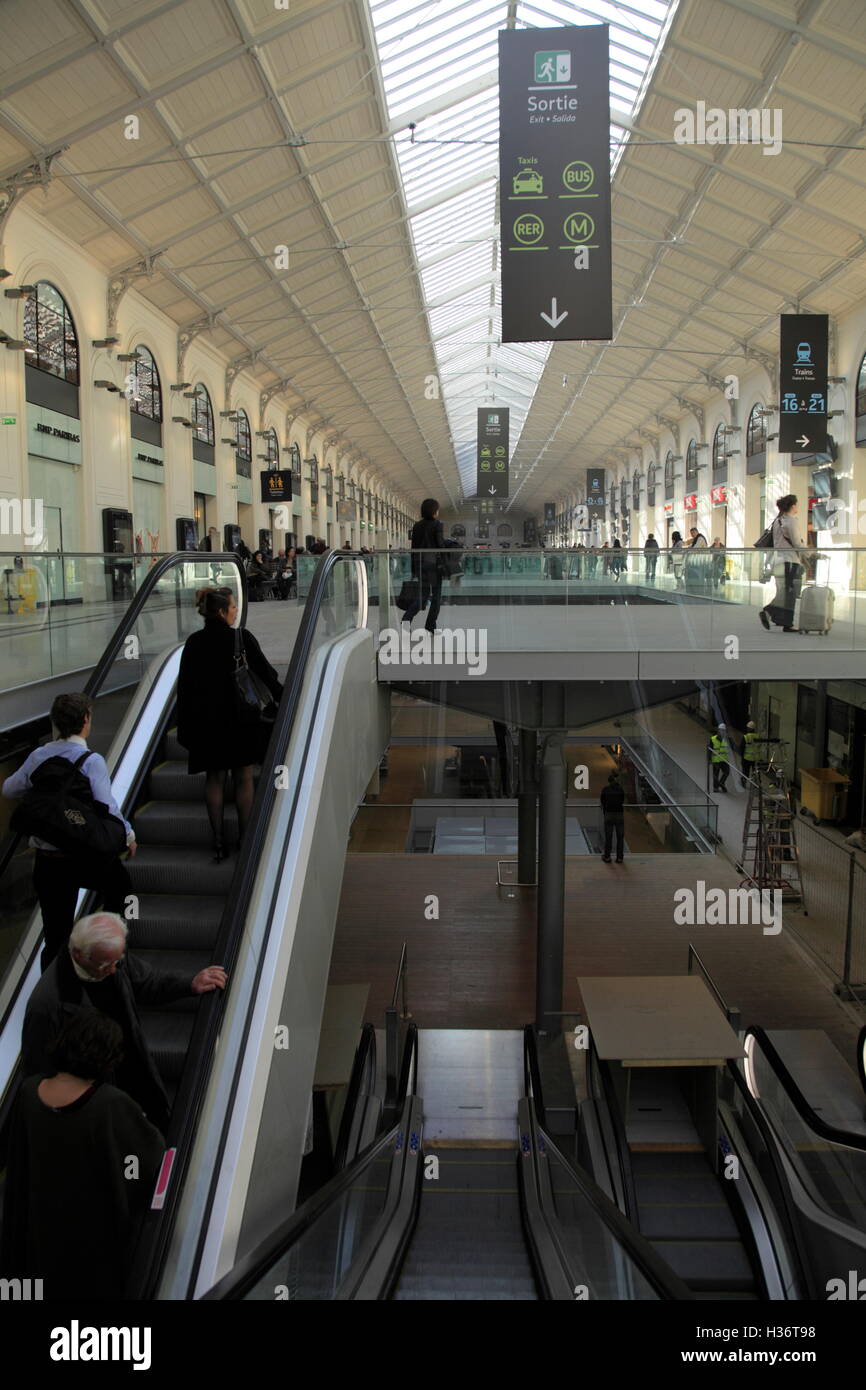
<point x="471" y="827"/>
<point x="118" y="652"/>
<point x="694" y="600"/>
<point x="57" y="612"/>
<point x="832" y="1170"/>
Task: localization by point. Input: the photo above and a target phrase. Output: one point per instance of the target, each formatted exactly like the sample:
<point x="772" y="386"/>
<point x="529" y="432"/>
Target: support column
<point x="551" y="887"/>
<point x="527" y="807"/>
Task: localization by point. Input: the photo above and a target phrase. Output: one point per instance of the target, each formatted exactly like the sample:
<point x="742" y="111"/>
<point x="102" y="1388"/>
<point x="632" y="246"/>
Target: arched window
<point x="719" y="440"/>
<point x="329" y="486"/>
<point x="651" y="475"/>
<point x="202" y="415"/>
<point x="635" y="490"/>
<point x="146" y="395"/>
<point x="272" y="448"/>
<point x="756" y="440"/>
<point x="341" y="487"/>
<point x="295" y="462"/>
<point x="669" y="475"/>
<point x="860" y="404"/>
<point x="613" y="500"/>
<point x="244" y="440"/>
<point x="49" y="333"/>
<point x="692" y="460"/>
<point x="623" y="496"/>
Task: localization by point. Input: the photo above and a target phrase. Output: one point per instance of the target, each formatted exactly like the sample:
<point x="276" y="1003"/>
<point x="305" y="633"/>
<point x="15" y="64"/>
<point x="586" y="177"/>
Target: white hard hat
<point x="751" y="724"/>
<point x="723" y="728"/>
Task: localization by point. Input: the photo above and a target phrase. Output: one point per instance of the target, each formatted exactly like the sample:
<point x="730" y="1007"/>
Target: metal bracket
<point x="185" y="336"/>
<point x="120" y="282"/>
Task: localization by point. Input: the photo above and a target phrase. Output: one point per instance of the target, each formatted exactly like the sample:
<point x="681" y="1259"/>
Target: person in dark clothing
<point x="73" y="1199"/>
<point x="94" y="972"/>
<point x="612" y="804"/>
<point x="651" y="558"/>
<point x="208" y="723"/>
<point x="617" y="564"/>
<point x="257" y="575"/>
<point x="426" y="571"/>
<point x="58" y="875"/>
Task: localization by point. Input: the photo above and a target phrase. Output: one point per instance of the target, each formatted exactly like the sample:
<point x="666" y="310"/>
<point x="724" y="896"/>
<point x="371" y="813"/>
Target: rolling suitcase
<point x="816" y="609"/>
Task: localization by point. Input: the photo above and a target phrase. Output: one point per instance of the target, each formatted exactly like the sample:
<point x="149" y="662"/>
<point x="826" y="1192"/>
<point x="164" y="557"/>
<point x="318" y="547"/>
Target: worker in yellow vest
<point x="751" y="751"/>
<point x="719" y="751"/>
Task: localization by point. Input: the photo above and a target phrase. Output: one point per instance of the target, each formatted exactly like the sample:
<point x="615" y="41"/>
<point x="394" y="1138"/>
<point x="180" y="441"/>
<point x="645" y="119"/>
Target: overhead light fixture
<point x="104" y="342"/>
<point x="4" y="274"/>
<point x="181" y="420"/>
<point x="232" y="443"/>
<point x="17" y="345"/>
<point x="21" y="292"/>
<point x="228" y="414"/>
<point x="180" y="386"/>
<point x="129" y="357"/>
<point x="106" y="385"/>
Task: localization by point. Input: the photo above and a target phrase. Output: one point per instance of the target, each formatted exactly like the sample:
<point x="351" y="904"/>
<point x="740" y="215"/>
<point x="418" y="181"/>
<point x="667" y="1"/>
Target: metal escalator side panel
<point x="247" y="1148"/>
<point x="536" y="1199"/>
<point x="769" y="1243"/>
<point x="376" y="1268"/>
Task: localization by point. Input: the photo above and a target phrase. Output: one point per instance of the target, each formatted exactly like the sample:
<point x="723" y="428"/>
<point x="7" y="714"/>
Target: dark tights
<point x="215" y="796"/>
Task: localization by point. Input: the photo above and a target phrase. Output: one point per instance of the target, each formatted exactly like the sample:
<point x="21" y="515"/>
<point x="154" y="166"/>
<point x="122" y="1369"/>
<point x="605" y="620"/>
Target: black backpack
<point x="61" y="809"/>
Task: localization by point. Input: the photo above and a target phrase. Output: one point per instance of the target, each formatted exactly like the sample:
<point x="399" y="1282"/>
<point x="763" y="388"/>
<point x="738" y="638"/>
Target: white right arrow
<point x="553" y="318"/>
<point x="802" y="441"/>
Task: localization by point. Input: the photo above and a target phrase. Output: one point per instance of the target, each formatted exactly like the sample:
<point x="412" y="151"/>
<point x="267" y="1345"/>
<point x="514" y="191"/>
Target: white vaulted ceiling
<point x="263" y="126"/>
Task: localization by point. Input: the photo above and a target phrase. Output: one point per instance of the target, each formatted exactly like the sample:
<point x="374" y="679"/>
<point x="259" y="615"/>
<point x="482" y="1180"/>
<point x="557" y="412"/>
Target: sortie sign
<point x="493" y="452"/>
<point x="554" y="184"/>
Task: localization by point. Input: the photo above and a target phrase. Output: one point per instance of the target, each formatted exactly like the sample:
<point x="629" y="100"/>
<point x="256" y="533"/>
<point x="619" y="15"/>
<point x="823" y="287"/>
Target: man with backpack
<point x="76" y="782"/>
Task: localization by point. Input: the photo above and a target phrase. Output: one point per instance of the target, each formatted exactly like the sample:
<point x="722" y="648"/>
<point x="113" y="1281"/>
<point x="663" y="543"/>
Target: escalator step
<point x="167" y="1036"/>
<point x="170" y="781"/>
<point x="709" y="1265"/>
<point x="189" y="871"/>
<point x="180" y="823"/>
<point x="166" y="922"/>
<point x="172" y="750"/>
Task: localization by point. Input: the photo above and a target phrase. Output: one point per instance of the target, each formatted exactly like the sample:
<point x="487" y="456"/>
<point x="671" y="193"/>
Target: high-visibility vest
<point x="721" y="751"/>
<point x="750" y="747"/>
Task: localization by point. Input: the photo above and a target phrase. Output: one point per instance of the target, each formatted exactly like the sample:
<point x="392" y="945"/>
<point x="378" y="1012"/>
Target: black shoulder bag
<point x="255" y="702"/>
<point x="60" y="808"/>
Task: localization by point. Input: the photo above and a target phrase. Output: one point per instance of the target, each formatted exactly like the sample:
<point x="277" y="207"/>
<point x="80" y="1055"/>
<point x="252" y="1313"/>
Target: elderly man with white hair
<point x="95" y="972"/>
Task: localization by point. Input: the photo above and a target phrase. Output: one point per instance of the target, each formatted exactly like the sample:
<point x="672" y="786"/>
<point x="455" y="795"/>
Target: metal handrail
<point x="732" y="1015"/>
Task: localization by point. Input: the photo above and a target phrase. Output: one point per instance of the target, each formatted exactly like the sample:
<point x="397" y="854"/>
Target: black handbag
<point x="408" y="594"/>
<point x="60" y="808"/>
<point x="254" y="700"/>
<point x="765" y="540"/>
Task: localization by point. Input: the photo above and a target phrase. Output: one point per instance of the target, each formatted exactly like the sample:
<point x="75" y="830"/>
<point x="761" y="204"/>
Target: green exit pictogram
<point x="10" y="419"/>
<point x="553" y="66"/>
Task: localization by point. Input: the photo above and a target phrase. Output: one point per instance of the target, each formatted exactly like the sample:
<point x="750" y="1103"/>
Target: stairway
<point x="468" y="1243"/>
<point x="181" y="894"/>
<point x="684" y="1212"/>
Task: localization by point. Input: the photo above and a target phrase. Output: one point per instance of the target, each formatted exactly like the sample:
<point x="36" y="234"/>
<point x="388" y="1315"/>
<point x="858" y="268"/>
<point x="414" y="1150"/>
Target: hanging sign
<point x="719" y="496"/>
<point x="554" y="184"/>
<point x="493" y="452"/>
<point x="803" y="359"/>
<point x="276" y="485"/>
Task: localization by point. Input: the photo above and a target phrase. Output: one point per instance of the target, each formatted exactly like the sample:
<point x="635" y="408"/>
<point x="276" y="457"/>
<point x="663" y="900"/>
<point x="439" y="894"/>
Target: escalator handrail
<point x="250" y="1269"/>
<point x="136" y="607"/>
<point x="365" y="1057"/>
<point x="130" y="618"/>
<point x="861" y="1056"/>
<point x="622" y="1150"/>
<point x="651" y="1265"/>
<point x="532" y="1087"/>
<point x="762" y="1124"/>
<point x="845" y="1138"/>
<point x="159" y="1226"/>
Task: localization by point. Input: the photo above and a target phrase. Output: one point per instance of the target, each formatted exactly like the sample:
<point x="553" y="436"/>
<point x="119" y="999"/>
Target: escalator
<point x="192" y="912"/>
<point x="404" y="1223"/>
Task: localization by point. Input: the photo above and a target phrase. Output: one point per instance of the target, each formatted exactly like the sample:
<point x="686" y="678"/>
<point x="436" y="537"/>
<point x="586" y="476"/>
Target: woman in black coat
<point x="208" y="724"/>
<point x="426" y="569"/>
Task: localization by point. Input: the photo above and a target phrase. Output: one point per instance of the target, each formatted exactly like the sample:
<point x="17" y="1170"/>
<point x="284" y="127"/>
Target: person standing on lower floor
<point x="651" y="558"/>
<point x="787" y="566"/>
<point x="612" y="805"/>
<point x="719" y="751"/>
<point x="58" y="876"/>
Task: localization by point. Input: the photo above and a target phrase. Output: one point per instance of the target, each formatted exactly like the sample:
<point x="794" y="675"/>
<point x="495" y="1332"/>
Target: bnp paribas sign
<point x="554" y="193"/>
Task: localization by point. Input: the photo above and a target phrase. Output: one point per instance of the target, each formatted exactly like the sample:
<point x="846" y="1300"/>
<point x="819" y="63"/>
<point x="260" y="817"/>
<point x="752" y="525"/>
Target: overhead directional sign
<point x="493" y="452"/>
<point x="803" y="359"/>
<point x="554" y="184"/>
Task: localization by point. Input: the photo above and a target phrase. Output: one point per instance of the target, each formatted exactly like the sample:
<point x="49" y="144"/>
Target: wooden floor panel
<point x="475" y="966"/>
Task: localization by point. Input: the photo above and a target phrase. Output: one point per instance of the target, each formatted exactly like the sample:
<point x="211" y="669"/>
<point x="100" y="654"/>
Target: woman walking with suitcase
<point x="787" y="567"/>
